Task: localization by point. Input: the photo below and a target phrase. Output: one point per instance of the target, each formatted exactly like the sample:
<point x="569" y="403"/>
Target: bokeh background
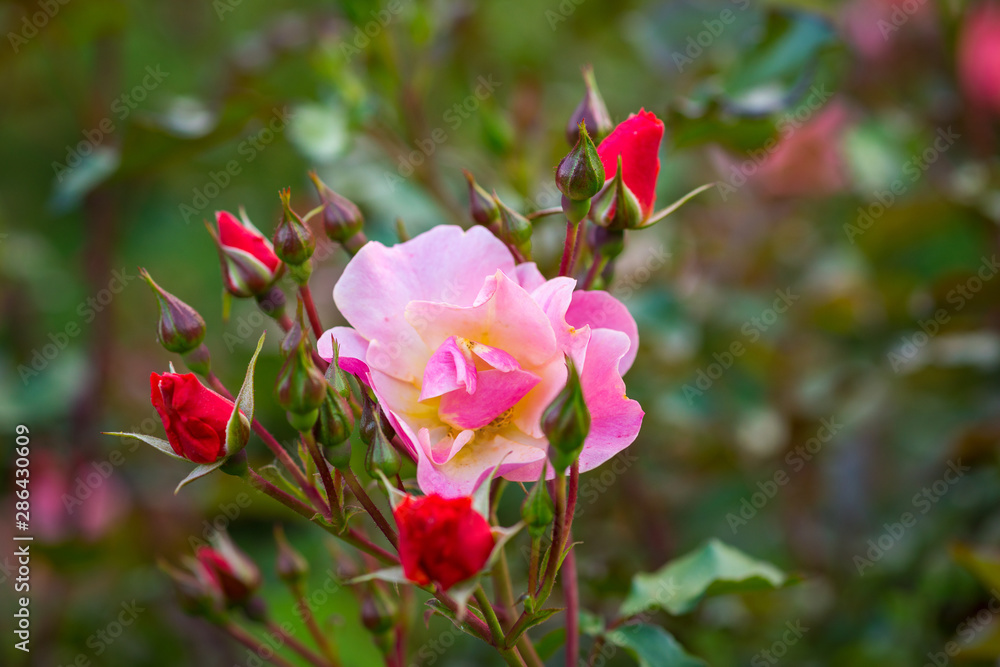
<point x="822" y="330"/>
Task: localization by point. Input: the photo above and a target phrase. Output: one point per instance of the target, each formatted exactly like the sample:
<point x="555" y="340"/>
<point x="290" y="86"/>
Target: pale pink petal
<point x="465" y="471"/>
<point x="403" y="362"/>
<point x="497" y="392"/>
<point x="440" y="445"/>
<point x="602" y="311"/>
<point x="614" y="418"/>
<point x="445" y="264"/>
<point x="353" y="349"/>
<point x="528" y="413"/>
<point x="510" y="320"/>
<point x="447" y="370"/>
<point x="528" y="276"/>
<point x="555" y="298"/>
<point x="495" y="357"/>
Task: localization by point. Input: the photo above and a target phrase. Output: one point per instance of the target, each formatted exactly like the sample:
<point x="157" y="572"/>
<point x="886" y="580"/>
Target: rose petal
<point x="600" y="310"/>
<point x="448" y="370"/>
<point x="497" y="392"/>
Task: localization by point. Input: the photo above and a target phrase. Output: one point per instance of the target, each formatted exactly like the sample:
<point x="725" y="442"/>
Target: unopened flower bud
<point x="301" y="387"/>
<point x="515" y="229"/>
<point x="272" y="303"/>
<point x="566" y="422"/>
<point x="367" y="426"/>
<point x="335" y="375"/>
<point x="197" y="591"/>
<point x="342" y="219"/>
<point x="249" y="264"/>
<point x="236" y="574"/>
<point x="180" y="329"/>
<point x="382" y="456"/>
<point x="591" y="111"/>
<point x="617" y="207"/>
<point x="537" y="509"/>
<point x="292" y="567"/>
<point x="293" y="240"/>
<point x="481" y="204"/>
<point x="580" y="175"/>
<point x="376" y="615"/>
<point x="333" y="429"/>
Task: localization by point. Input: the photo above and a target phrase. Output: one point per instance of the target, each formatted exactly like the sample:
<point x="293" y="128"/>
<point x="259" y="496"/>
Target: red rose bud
<point x="515" y="229"/>
<point x="617" y="207"/>
<point x="292" y="567"/>
<point x="293" y="240"/>
<point x="442" y="540"/>
<point x="342" y="219"/>
<point x="197" y="590"/>
<point x="237" y="575"/>
<point x="566" y="422"/>
<point x="194" y="417"/>
<point x="249" y="265"/>
<point x="181" y="329"/>
<point x="301" y="387"/>
<point x="482" y="206"/>
<point x="591" y="111"/>
<point x="333" y="428"/>
<point x="637" y="142"/>
<point x="979" y="56"/>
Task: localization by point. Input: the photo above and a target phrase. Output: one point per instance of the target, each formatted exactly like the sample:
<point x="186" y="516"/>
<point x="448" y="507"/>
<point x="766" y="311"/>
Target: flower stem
<point x="258" y="649"/>
<point x="572" y="595"/>
<point x="324" y="473"/>
<point x="568" y="246"/>
<point x="325" y="647"/>
<point x="593" y="272"/>
<point x="536" y="544"/>
<point x="289" y="501"/>
<point x="555" y="548"/>
<point x="370" y="507"/>
<point x="496" y="630"/>
<point x="297" y="646"/>
<point x="543" y="212"/>
<point x="307" y="300"/>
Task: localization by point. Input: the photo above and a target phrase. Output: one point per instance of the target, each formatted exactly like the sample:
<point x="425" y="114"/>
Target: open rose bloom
<point x="465" y="349"/>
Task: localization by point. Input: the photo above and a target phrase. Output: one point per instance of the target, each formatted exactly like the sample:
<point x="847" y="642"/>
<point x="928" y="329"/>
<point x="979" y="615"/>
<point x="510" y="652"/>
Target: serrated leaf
<point x="238" y="431"/>
<point x="198" y="473"/>
<point x="652" y="646"/>
<point x="158" y="443"/>
<point x="714" y="569"/>
<point x="537" y="618"/>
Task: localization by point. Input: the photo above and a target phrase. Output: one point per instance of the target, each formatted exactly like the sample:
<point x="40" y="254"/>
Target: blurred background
<point x="820" y="335"/>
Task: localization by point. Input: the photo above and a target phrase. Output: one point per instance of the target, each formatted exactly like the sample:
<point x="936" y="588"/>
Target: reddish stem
<point x="568" y="246"/>
<point x="307" y="300"/>
<point x="370" y="507"/>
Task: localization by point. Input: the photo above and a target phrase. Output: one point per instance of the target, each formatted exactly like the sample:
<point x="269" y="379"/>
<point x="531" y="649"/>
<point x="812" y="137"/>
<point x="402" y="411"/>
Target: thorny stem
<point x="593" y="272"/>
<point x="307" y="301"/>
<point x="572" y="230"/>
<point x="569" y="579"/>
<point x="496" y="630"/>
<point x="258" y="649"/>
<point x="370" y="507"/>
<point x="317" y="633"/>
<point x="296" y="645"/>
<point x="555" y="548"/>
<point x="324" y="473"/>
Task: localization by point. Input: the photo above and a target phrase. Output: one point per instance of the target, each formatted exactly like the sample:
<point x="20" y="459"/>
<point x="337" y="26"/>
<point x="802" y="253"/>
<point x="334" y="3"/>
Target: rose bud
<point x="442" y="540"/>
<point x="979" y="56"/>
<point x="292" y="567"/>
<point x="635" y="146"/>
<point x="293" y="240"/>
<point x="301" y="387"/>
<point x="237" y="575"/>
<point x="249" y="264"/>
<point x="591" y="111"/>
<point x="382" y="456"/>
<point x="181" y="329"/>
<point x="618" y="208"/>
<point x="482" y="206"/>
<point x="566" y="422"/>
<point x="515" y="229"/>
<point x="342" y="220"/>
<point x="580" y="176"/>
<point x="198" y="593"/>
<point x="194" y="417"/>
<point x="333" y="429"/>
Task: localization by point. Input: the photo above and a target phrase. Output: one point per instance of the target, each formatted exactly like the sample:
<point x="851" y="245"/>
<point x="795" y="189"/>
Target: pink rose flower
<point x="979" y="56"/>
<point x="465" y="350"/>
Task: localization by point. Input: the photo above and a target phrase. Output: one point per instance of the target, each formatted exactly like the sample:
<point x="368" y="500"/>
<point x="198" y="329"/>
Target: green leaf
<point x="547" y="646"/>
<point x="393" y="575"/>
<point x="159" y="443"/>
<point x="537" y="618"/>
<point x="238" y="429"/>
<point x="652" y="646"/>
<point x="198" y="473"/>
<point x="714" y="569"/>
